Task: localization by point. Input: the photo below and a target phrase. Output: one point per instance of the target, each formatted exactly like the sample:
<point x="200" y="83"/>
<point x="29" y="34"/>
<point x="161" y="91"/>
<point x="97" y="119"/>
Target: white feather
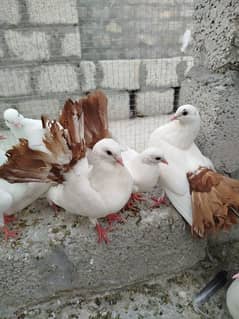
<point x="186" y="38"/>
<point x="143" y="167"/>
<point x="176" y="140"/>
<point x="97" y="189"/>
<point x="232" y="299"/>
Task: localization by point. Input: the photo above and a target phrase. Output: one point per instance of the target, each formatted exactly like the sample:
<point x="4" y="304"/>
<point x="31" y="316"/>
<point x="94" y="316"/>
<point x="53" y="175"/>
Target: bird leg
<point x="8" y="233"/>
<point x="114" y="217"/>
<point x="9" y="218"/>
<point x="102" y="234"/>
<point x="134" y="197"/>
<point x="159" y="201"/>
<point x="137" y="197"/>
<point x="55" y="208"/>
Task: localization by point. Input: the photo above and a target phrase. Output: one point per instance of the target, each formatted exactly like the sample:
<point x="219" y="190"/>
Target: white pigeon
<point x="176" y="141"/>
<point x="143" y="167"/>
<point x="15" y="197"/>
<point x="95" y="190"/>
<point x="22" y="127"/>
<point x="232" y="297"/>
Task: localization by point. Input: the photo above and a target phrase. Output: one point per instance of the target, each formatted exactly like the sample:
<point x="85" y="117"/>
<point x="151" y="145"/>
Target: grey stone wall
<point x="54" y="49"/>
<point x="213" y="84"/>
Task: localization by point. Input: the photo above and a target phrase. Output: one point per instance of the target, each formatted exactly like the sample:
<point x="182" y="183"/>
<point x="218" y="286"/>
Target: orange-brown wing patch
<point x="27" y="165"/>
<point x="215" y="199"/>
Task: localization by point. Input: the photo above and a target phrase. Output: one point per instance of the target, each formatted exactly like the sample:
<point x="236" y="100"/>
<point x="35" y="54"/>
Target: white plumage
<point x="232" y="297"/>
<point x="22" y="127"/>
<point x="97" y="189"/>
<point x="144" y="167"/>
<point x="186" y="38"/>
<point x="15" y="197"/>
<point x="176" y="141"/>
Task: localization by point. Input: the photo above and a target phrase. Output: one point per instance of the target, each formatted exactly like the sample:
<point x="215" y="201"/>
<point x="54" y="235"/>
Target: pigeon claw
<point x="8" y="233"/>
<point x="102" y="234"/>
<point x="111" y="218"/>
<point x="137" y="197"/>
<point x="131" y="205"/>
<point x="9" y="219"/>
<point x="159" y="201"/>
<point x="55" y="208"/>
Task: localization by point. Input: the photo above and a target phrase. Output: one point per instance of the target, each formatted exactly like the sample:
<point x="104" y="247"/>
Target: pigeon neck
<point x="186" y="134"/>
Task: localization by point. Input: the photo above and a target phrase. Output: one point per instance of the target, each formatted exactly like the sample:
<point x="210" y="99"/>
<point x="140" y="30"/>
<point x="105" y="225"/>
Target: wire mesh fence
<point x="135" y="50"/>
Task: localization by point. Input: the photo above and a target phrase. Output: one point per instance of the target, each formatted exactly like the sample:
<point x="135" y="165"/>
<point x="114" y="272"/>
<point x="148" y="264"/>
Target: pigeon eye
<point x="109" y="152"/>
<point x="158" y="158"/>
<point x="185" y="112"/>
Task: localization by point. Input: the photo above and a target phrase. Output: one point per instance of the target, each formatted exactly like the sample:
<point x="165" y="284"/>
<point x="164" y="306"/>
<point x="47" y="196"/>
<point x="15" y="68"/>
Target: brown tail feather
<point x="72" y="120"/>
<point x="214" y="198"/>
<point x="95" y="117"/>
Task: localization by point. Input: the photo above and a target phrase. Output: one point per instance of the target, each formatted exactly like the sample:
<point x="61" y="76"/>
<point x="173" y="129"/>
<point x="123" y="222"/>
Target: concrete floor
<point x="167" y="299"/>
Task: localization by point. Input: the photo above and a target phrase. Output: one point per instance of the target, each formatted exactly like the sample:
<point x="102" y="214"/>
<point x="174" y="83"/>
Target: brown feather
<point x="27" y="165"/>
<point x="214" y="198"/>
<point x="72" y="120"/>
<point x="95" y="117"/>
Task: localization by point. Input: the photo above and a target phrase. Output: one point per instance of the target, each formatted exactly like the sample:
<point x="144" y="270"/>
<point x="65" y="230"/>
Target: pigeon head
<point x="153" y="156"/>
<point x="109" y="150"/>
<point x="186" y="114"/>
<point x="13" y="118"/>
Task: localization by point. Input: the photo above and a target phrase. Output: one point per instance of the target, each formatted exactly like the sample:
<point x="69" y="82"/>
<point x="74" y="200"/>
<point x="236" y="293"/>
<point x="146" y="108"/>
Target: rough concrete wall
<point x="53" y="49"/>
<point x="213" y="84"/>
<point x="217" y="33"/>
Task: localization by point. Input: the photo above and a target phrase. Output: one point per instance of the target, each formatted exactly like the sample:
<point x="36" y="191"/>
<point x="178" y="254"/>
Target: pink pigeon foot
<point x="55" y="208"/>
<point x="135" y="197"/>
<point x="102" y="234"/>
<point x="8" y="233"/>
<point x="159" y="201"/>
<point x="9" y="219"/>
<point x="111" y="218"/>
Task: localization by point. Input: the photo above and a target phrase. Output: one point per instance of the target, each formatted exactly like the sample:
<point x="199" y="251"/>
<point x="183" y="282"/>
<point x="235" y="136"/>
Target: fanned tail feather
<point x="95" y="117"/>
<point x="214" y="200"/>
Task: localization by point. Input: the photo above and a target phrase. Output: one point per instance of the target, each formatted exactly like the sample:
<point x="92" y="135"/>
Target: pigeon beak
<point x="164" y="161"/>
<point x="119" y="161"/>
<point x="174" y="117"/>
<point x="236" y="276"/>
<point x="2" y="137"/>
